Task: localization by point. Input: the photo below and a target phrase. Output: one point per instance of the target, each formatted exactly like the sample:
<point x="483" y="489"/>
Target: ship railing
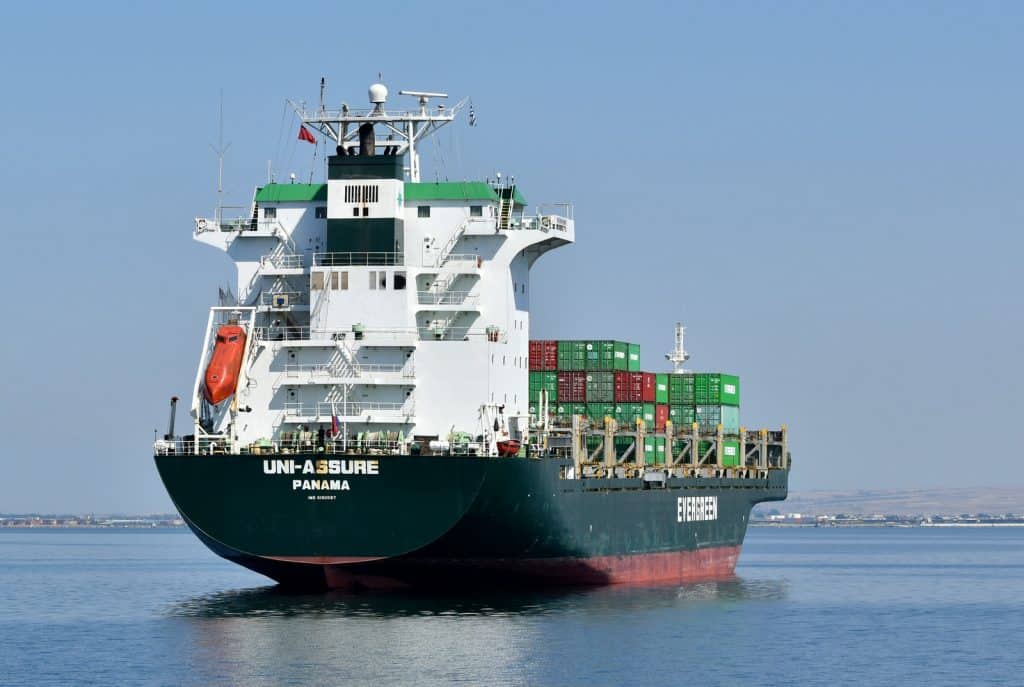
<point x="456" y="258"/>
<point x="544" y="223"/>
<point x="309" y="442"/>
<point x="305" y="333"/>
<point x="447" y="298"/>
<point x="345" y="371"/>
<point x="564" y="210"/>
<point x="397" y="369"/>
<point x="328" y="409"/>
<point x="205" y="224"/>
<point x="291" y="297"/>
<point x="370" y="259"/>
<point x="282" y="262"/>
<point x="283" y="333"/>
<point x="381" y="335"/>
<point x="192" y="445"/>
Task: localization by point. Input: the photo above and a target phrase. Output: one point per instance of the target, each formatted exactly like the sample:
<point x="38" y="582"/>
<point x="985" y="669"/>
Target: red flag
<point x="304" y="135"/>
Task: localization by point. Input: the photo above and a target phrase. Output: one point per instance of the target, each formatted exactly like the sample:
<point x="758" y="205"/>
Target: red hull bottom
<point x="653" y="568"/>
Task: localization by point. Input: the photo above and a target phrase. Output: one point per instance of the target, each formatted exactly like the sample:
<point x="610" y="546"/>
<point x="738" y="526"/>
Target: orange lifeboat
<point x="222" y="372"/>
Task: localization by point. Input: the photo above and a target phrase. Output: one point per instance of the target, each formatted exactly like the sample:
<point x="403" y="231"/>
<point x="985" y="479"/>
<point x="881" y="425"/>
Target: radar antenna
<point x="405" y="129"/>
<point x="220" y="149"/>
<point x="678" y="356"/>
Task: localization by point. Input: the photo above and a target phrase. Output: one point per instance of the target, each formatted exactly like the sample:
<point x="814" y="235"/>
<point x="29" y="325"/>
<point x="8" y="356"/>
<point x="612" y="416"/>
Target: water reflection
<point x="273" y="601"/>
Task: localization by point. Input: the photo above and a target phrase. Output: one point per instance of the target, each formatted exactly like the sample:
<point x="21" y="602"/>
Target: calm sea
<point x="808" y="607"/>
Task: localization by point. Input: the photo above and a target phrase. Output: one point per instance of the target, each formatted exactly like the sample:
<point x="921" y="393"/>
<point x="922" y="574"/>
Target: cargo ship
<point x="369" y="411"/>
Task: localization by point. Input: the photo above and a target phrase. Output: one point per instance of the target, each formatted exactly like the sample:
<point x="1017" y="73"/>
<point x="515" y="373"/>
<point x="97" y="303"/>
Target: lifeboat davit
<point x="225" y="363"/>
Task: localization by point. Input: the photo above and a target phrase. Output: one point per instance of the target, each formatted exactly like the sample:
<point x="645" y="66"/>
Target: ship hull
<point x="315" y="521"/>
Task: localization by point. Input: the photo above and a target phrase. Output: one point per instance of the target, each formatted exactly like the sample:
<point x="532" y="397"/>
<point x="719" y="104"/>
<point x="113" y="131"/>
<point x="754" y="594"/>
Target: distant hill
<point x="993" y="500"/>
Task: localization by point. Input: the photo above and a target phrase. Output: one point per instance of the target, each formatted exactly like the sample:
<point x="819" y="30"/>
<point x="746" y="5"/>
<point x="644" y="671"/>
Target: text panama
<point x="321" y="467"/>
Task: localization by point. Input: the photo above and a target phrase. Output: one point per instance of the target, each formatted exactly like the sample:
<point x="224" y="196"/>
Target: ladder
<point x="505" y="204"/>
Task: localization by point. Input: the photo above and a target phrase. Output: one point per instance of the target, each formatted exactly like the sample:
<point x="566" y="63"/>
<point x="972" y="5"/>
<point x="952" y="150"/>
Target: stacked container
<point x="716" y="389"/>
<point x="633" y="357"/>
<point x="600" y="387"/>
<point x="709" y="417"/>
<point x="647" y="388"/>
<point x="572" y="355"/>
<point x="572" y="387"/>
<point x="543" y="355"/>
<point x="660" y="417"/>
<point x="598" y="411"/>
<point x="629" y="387"/>
<point x="602" y="378"/>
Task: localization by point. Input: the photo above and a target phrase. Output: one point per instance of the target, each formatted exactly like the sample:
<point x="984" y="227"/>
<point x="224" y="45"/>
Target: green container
<point x="731" y="454"/>
<point x="626" y="414"/>
<point x="572" y="355"/>
<point x="713" y="388"/>
<point x="621" y="444"/>
<point x="702" y="448"/>
<point x="597" y="412"/>
<point x="565" y="411"/>
<point x="543" y="380"/>
<point x="620" y="355"/>
<point x="682" y="417"/>
<point x="600" y="386"/>
<point x="661" y="388"/>
<point x="710" y="417"/>
<point x="680" y="389"/>
<point x="648" y="416"/>
<point x="654" y="450"/>
<point x="633" y="357"/>
<point x="677" y="448"/>
<point x="606" y="355"/>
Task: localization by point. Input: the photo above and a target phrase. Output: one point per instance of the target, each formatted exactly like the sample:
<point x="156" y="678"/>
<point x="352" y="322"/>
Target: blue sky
<point x="828" y="194"/>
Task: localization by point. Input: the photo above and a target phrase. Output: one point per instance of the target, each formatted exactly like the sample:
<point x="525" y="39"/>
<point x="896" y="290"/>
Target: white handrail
<point x="350" y="409"/>
<point x="346" y="372"/>
<point x="281" y="262"/>
<point x="446" y="298"/>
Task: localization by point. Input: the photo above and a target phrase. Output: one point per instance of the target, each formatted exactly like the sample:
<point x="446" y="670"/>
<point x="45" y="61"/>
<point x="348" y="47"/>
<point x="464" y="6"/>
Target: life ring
<point x="545" y="223"/>
<point x="201" y="224"/>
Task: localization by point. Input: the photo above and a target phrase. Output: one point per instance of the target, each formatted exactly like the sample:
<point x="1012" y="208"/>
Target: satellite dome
<point x="378" y="93"/>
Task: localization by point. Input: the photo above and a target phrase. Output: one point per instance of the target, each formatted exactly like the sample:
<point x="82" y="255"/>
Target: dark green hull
<point x="430" y="520"/>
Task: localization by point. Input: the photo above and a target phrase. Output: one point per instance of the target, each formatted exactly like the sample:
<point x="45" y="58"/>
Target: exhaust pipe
<point x="170" y="425"/>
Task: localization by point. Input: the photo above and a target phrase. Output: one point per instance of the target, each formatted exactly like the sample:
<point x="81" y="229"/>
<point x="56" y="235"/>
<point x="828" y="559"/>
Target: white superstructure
<point x="394" y="307"/>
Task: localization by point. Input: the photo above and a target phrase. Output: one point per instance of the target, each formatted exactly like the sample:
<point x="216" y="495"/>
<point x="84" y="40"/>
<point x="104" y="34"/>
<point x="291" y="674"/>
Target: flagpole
<point x="312" y="165"/>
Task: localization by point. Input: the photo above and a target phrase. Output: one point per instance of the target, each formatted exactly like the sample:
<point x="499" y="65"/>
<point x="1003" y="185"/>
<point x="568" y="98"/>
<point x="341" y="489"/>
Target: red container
<point x="543" y="355"/>
<point x="660" y="417"/>
<point x="648" y="387"/>
<point x="628" y="387"/>
<point x="549" y="355"/>
<point x="536" y="354"/>
<point x="572" y="387"/>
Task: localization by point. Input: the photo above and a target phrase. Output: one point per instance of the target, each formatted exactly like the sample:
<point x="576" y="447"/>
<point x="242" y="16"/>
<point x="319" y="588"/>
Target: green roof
<point x="450" y="190"/>
<point x="442" y="190"/>
<point x="291" y="193"/>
